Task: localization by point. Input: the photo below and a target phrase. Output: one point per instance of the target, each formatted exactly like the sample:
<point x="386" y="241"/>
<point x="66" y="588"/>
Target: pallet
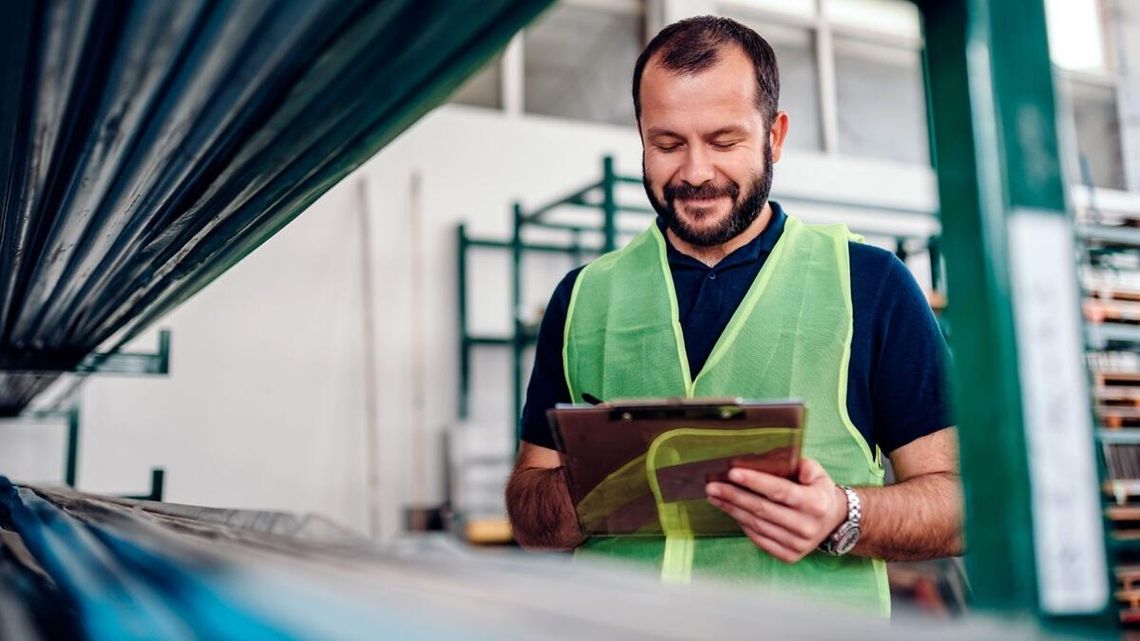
<point x="1101" y="311"/>
<point x="1128" y="576"/>
<point x="1113" y="294"/>
<point x="1108" y="378"/>
<point x="1116" y="417"/>
<point x="1123" y="513"/>
<point x="1121" y="490"/>
<point x="1118" y="395"/>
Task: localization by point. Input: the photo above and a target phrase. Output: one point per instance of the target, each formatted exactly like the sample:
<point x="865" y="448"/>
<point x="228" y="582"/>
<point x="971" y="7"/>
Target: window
<point x="1076" y="39"/>
<point x="799" y="81"/>
<point x="881" y="101"/>
<point x="888" y="17"/>
<point x="1097" y="125"/>
<point x="866" y="97"/>
<point x="579" y="61"/>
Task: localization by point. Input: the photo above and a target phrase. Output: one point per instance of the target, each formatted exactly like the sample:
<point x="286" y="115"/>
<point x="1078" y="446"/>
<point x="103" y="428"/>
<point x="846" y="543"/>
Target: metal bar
<point x="576" y="247"/>
<point x="134" y="363"/>
<point x="490" y="340"/>
<point x="900" y="248"/>
<point x="461" y="245"/>
<point x="487" y="243"/>
<point x="1119" y="437"/>
<point x="609" y="205"/>
<point x="575" y="198"/>
<point x="1128" y="236"/>
<point x="934" y="247"/>
<point x="157" y="484"/>
<point x="370" y="376"/>
<point x="1100" y="335"/>
<point x="574" y="227"/>
<point x="827" y="84"/>
<point x="71" y="468"/>
<point x="516" y="320"/>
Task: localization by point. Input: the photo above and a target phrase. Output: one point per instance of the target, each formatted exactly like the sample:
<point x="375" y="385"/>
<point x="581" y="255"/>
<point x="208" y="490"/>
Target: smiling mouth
<point x="700" y="202"/>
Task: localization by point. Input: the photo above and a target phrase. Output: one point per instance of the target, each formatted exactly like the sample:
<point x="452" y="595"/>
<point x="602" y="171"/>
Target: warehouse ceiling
<point x="146" y="147"/>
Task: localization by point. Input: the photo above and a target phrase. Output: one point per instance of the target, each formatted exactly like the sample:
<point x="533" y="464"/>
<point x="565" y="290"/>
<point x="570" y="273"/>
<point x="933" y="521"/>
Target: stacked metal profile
<point x="81" y="566"/>
<point x="146" y="147"/>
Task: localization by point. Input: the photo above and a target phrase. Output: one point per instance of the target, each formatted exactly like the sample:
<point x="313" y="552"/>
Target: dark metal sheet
<point x="146" y="147"/>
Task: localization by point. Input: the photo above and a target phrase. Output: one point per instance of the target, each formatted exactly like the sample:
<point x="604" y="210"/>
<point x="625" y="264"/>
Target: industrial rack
<point x="582" y="244"/>
<point x="1110" y="279"/>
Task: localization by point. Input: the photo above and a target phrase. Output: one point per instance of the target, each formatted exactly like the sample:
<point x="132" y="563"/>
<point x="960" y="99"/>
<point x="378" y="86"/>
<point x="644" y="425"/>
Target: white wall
<point x="264" y="406"/>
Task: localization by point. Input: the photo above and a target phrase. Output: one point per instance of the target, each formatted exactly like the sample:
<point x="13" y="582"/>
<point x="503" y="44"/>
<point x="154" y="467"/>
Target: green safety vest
<point x="790" y="337"/>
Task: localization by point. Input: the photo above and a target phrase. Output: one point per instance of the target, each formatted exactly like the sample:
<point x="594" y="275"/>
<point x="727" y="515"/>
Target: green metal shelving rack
<point x="602" y="197"/>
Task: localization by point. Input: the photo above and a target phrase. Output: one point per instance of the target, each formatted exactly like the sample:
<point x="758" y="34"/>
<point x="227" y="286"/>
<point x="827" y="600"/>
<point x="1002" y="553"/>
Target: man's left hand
<point x="784" y="518"/>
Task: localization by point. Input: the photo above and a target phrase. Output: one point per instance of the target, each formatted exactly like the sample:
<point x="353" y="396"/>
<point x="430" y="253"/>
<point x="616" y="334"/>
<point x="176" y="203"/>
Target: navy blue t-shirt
<point x="896" y="389"/>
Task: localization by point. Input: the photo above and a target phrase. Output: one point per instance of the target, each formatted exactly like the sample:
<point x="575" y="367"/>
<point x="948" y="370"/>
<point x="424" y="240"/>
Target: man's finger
<point x="791" y="540"/>
<point x="773" y="487"/>
<point x="775" y="548"/>
<point x="748" y="508"/>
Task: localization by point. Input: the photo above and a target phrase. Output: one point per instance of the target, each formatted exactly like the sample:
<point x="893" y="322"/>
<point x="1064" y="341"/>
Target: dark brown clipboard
<point x="597" y="440"/>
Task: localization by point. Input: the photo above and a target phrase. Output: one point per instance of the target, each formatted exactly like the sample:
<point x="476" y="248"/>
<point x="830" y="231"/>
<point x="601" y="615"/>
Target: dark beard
<point x="744" y="210"/>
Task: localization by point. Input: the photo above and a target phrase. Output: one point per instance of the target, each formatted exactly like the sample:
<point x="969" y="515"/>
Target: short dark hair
<point x="693" y="45"/>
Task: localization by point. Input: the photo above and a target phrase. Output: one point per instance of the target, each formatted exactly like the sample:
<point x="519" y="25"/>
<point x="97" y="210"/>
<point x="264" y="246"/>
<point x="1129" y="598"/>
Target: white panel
<point x="1075" y="38"/>
<point x="33" y="451"/>
<point x="1067" y="527"/>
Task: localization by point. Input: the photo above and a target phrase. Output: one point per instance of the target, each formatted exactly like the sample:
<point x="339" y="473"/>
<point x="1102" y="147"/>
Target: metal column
<point x="1000" y="185"/>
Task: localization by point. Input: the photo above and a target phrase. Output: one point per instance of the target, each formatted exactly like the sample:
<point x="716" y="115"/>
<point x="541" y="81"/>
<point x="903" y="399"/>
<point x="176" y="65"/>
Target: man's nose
<point x="698" y="168"/>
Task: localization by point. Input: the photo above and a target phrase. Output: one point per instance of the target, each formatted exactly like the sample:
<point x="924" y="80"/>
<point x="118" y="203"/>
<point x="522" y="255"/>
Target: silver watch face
<point x="847" y="541"/>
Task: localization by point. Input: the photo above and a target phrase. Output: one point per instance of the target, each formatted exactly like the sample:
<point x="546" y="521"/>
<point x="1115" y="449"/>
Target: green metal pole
<point x="934" y="248"/>
<point x="461" y="314"/>
<point x="71" y="471"/>
<point x="990" y="85"/>
<point x="162" y="365"/>
<point x="609" y="204"/>
<point x="518" y="339"/>
<point x="900" y="248"/>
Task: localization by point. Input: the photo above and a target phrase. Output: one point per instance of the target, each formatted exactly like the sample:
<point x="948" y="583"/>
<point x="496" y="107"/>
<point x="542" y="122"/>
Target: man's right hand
<point x="538" y="501"/>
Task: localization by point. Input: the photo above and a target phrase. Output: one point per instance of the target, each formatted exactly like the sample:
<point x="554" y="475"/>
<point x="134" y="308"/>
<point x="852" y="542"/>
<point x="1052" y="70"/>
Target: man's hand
<point x="785" y="519"/>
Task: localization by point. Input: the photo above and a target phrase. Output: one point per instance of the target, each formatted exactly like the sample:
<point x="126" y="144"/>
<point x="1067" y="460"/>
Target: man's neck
<point x="710" y="256"/>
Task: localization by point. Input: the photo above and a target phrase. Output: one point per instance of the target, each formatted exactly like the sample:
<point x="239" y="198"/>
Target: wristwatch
<point x="844" y="538"/>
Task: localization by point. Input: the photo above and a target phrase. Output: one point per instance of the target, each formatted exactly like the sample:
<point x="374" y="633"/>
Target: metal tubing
<point x="517" y="342"/>
<point x="71" y="469"/>
<point x="609" y="205"/>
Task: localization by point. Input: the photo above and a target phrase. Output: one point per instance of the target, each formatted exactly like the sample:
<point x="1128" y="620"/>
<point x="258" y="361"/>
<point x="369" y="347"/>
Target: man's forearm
<point x="919" y="518"/>
<point x="541" y="511"/>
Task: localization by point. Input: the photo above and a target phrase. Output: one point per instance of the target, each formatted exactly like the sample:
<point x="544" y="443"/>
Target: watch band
<point x="843" y="539"/>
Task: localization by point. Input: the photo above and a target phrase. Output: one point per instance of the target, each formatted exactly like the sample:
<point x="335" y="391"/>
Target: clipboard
<point x="639" y="468"/>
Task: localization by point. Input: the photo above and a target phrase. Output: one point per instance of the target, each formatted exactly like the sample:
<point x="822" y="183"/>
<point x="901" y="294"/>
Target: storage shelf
<point x="1100" y="334"/>
<point x="1109" y="233"/>
<point x="1122" y="436"/>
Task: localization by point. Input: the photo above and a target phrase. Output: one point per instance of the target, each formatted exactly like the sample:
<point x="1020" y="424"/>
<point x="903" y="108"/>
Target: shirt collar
<point x="756" y="248"/>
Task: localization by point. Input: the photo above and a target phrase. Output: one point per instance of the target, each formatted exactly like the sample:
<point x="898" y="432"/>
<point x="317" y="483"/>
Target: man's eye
<point x="668" y="148"/>
<point x="724" y="145"/>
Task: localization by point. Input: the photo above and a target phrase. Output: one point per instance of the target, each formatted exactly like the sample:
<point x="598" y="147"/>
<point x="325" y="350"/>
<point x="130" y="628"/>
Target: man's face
<point x="707" y="152"/>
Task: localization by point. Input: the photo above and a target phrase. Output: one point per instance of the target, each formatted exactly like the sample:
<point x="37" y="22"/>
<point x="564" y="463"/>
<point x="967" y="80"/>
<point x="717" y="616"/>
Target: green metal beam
<point x="996" y="154"/>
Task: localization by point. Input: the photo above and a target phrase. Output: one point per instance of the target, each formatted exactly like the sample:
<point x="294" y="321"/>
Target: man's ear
<point x="777" y="134"/>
